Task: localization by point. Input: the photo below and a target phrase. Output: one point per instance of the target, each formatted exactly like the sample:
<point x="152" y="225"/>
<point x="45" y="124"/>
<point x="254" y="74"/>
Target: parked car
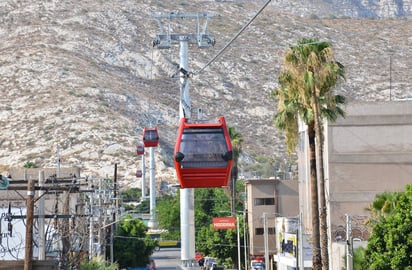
<point x="208" y="264"/>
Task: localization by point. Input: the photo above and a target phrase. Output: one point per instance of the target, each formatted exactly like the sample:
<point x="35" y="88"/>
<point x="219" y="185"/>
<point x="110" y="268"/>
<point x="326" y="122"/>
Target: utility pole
<point x="239" y="266"/>
<point x="28" y="256"/>
<point x="164" y="40"/>
<point x="143" y="178"/>
<point x="65" y="230"/>
<point x="42" y="235"/>
<point x="348" y="243"/>
<point x="91" y="227"/>
<point x="113" y="227"/>
<point x="266" y="236"/>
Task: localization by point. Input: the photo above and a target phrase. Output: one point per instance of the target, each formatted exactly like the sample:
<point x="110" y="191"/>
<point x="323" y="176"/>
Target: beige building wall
<point x="366" y="153"/>
<point x="266" y="199"/>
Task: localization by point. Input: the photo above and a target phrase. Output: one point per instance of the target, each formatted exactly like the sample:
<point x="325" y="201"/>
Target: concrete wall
<point x="368" y="152"/>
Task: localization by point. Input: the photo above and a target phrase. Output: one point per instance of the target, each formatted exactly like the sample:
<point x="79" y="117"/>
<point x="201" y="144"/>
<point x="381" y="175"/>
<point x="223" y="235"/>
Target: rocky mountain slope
<point x="81" y="78"/>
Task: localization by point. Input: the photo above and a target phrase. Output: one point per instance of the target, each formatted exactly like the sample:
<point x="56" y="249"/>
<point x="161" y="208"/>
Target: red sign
<point x="224" y="223"/>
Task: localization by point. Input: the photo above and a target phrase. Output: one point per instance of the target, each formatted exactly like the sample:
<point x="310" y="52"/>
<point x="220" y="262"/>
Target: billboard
<point x="224" y="223"/>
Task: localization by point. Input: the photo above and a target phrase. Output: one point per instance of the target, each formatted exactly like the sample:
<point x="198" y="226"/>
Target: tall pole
<point x="300" y="243"/>
<point x="245" y="238"/>
<point x="238" y="244"/>
<point x="91" y="229"/>
<point x="28" y="256"/>
<point x="99" y="217"/>
<point x="187" y="216"/>
<point x="143" y="178"/>
<point x="265" y="234"/>
<point x="153" y="219"/>
<point x="112" y="228"/>
<point x="65" y="230"/>
<point x="42" y="235"/>
<point x="348" y="243"/>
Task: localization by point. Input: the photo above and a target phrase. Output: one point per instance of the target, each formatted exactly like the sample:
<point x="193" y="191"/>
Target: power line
<point x="233" y="39"/>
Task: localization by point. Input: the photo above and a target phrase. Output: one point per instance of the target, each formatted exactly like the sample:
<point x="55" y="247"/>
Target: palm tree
<point x="305" y="85"/>
<point x="383" y="205"/>
<point x="289" y="110"/>
<point x="237" y="140"/>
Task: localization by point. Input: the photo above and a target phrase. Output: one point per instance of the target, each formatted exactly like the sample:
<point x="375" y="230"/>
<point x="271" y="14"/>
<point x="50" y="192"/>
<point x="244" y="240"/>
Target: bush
<point x="98" y="264"/>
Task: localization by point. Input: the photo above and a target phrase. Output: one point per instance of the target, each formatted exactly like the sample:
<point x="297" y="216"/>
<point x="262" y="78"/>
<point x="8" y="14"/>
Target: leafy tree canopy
<point x="131" y="195"/>
<point x="168" y="210"/>
<point x="390" y="244"/>
<point x="209" y="203"/>
<point x="131" y="246"/>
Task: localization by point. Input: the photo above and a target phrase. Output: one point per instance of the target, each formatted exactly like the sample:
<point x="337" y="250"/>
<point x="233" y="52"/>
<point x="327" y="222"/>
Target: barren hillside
<point x="83" y="79"/>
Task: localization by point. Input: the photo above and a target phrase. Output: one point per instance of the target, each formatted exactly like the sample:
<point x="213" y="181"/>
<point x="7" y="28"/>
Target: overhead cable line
<point x="233" y="39"/>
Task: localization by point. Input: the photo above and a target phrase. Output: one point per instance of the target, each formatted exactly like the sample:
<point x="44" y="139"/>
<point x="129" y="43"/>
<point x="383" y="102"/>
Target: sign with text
<point x="224" y="223"/>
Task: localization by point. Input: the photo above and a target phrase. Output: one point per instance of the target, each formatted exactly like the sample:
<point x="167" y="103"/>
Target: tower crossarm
<point x="165" y="39"/>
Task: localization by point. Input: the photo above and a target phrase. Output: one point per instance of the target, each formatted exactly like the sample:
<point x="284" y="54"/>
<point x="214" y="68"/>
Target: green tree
<point x="209" y="203"/>
<point x="131" y="195"/>
<point x="390" y="244"/>
<point x="168" y="215"/>
<point x="308" y="76"/>
<point x="222" y="244"/>
<point x="358" y="258"/>
<point x="131" y="246"/>
<point x="383" y="205"/>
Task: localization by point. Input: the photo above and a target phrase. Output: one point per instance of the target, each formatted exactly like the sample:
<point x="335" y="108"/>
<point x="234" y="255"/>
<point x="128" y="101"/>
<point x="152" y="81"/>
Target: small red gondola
<point x="139" y="173"/>
<point x="203" y="154"/>
<point x="139" y="149"/>
<point x="150" y="137"/>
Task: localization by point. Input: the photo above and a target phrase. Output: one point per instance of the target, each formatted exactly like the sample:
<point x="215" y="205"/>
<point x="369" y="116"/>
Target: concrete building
<point x="267" y="199"/>
<point x="366" y="153"/>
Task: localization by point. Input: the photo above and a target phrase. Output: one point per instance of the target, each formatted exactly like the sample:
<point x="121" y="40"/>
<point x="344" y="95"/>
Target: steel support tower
<point x="165" y="40"/>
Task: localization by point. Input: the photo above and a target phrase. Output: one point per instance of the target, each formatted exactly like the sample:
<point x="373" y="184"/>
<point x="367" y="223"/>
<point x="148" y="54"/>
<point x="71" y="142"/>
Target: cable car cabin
<point x="203" y="154"/>
<point x="139" y="173"/>
<point x="139" y="149"/>
<point x="150" y="137"/>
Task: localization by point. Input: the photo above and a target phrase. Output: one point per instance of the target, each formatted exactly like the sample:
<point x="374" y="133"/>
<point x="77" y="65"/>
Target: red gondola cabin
<point x="150" y="137"/>
<point x="139" y="149"/>
<point x="203" y="154"/>
<point x="139" y="173"/>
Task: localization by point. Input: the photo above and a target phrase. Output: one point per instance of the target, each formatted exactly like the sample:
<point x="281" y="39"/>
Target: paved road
<point x="169" y="259"/>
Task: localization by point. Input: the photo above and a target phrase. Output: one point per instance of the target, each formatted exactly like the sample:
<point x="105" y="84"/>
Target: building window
<point x="264" y="201"/>
<point x="261" y="231"/>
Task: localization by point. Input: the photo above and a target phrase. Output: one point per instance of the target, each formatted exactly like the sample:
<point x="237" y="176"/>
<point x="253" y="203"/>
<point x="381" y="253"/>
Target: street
<point x="169" y="258"/>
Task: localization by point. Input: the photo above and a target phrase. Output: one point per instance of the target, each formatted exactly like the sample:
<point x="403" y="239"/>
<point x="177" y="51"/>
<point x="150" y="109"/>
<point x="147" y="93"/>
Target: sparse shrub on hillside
<point x="30" y="164"/>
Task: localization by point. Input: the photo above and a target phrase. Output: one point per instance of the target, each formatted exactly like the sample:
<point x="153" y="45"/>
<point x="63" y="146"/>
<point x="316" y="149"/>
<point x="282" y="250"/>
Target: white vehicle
<point x="208" y="264"/>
